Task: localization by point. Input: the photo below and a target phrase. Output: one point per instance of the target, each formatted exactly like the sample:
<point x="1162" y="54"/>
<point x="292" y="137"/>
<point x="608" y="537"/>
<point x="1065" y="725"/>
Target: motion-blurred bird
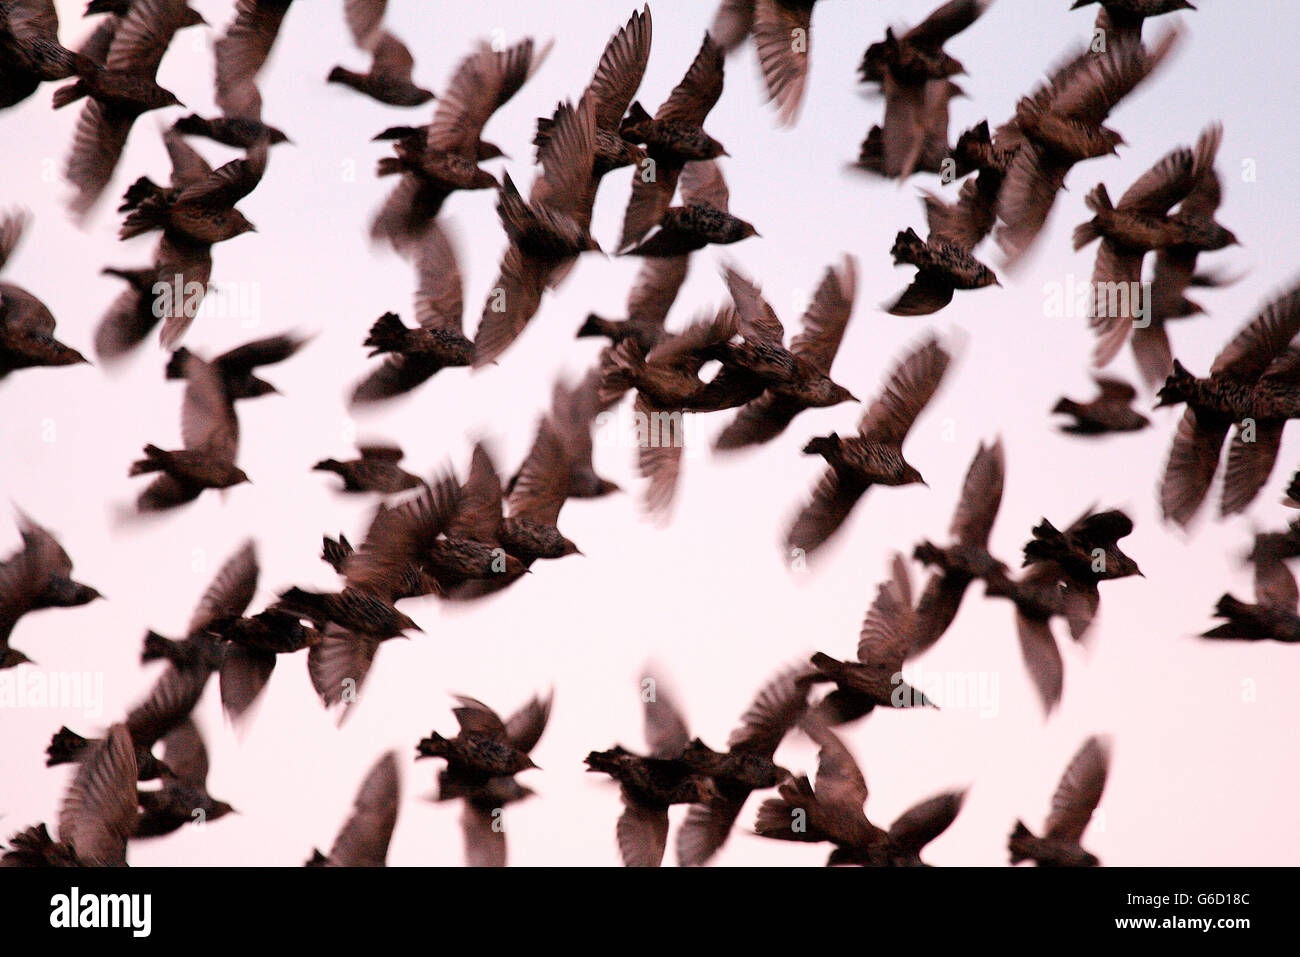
<point x="1110" y="411"/>
<point x="237" y="366"/>
<point x="1073" y="804"/>
<point x="183" y="798"/>
<point x="364" y="838"/>
<point x="702" y="220"/>
<point x="1274" y="614"/>
<point x="375" y="471"/>
<point x="874" y="455"/>
<point x="26" y="323"/>
<point x="943" y="264"/>
<point x="30" y="52"/>
<point x="389" y="78"/>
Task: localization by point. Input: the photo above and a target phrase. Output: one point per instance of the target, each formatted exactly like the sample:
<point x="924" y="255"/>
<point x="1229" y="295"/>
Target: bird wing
<point x="98" y="813"/>
<point x="693" y="98"/>
<point x="363" y="839"/>
<point x="981" y="496"/>
<point x="231" y="591"/>
<point x="911" y="385"/>
<point x="440" y="290"/>
<point x="923" y="822"/>
<point x="1079" y="792"/>
<point x="621" y="67"/>
<point x="524" y="728"/>
<point x="208" y="421"/>
<point x="783" y="38"/>
<point x="827" y="316"/>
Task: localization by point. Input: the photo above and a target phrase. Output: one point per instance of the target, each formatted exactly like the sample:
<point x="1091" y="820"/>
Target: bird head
<point x="12" y="658"/>
<point x="219" y="809"/>
<point x="241" y="223"/>
<point x="912" y="477"/>
<point x="260" y="387"/>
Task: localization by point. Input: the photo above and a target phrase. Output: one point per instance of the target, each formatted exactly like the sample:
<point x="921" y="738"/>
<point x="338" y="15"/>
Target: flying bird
<point x="364" y="838"/>
<point x="26" y="324"/>
<point x="703" y="219"/>
<point x="389" y="78"/>
<point x="1073" y="804"/>
<point x="375" y="471"/>
<point x="1111" y="411"/>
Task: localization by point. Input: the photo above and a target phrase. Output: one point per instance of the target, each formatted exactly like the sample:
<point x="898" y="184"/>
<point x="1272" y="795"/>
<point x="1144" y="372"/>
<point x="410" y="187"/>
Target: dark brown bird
<point x="830" y="809"/>
<point x="37" y="576"/>
<point x="888" y="638"/>
<point x="1060" y="125"/>
<point x="236" y="366"/>
<point x="210" y="434"/>
<point x="547" y="233"/>
<point x="617" y="78"/>
<point x="653" y="293"/>
<point x="1076" y="797"/>
<point x="968" y="557"/>
<point x="155" y="294"/>
<point x="183" y="798"/>
<point x="567" y="431"/>
<point x="364" y="838"/>
<point x="436" y="160"/>
<point x="746" y="766"/>
<point x="667" y="386"/>
<point x="375" y="471"/>
<point x="1138" y="224"/>
<point x="779" y="383"/>
<point x="26" y="324"/>
<point x="389" y="77"/>
<point x="967" y="221"/>
<point x="482" y="821"/>
<point x="875" y="455"/>
<point x="97" y="816"/>
<point x="233" y="131"/>
<point x="1251" y="384"/>
<point x="672" y="138"/>
<point x="412" y="356"/>
<point x="119" y="92"/>
<point x="651" y="784"/>
<point x="239" y="55"/>
<point x="943" y="265"/>
<point x="702" y="220"/>
<point x="913" y="71"/>
<point x="30" y="52"/>
<point x="1110" y="411"/>
<point x="480" y="751"/>
<point x="1274" y="614"/>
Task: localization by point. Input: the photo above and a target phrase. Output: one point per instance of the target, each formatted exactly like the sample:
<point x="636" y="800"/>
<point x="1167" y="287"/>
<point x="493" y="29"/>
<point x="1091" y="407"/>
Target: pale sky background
<point x="1203" y="771"/>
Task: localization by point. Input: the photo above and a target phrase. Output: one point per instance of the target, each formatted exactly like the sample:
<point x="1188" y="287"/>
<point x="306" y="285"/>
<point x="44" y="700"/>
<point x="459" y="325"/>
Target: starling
<point x="119" y="92"/>
<point x="169" y="703"/>
<point x="233" y="131"/>
<point x="375" y="471"/>
<point x="1274" y="614"/>
<point x="483" y="748"/>
<point x="236" y="366"/>
<point x="251" y="647"/>
<point x="888" y="638"/>
<point x="943" y="265"/>
<point x="1079" y="558"/>
<point x="657" y="284"/>
<point x="703" y="219"/>
<point x="389" y="77"/>
<point x="908" y="61"/>
<point x="210" y="432"/>
<point x="139" y="307"/>
<point x="1109" y="412"/>
<point x="746" y="766"/>
<point x="529" y="533"/>
<point x="241" y="52"/>
<point x="874" y="456"/>
<point x="1252" y="384"/>
<point x="354" y="609"/>
<point x="574" y="410"/>
<point x="653" y="783"/>
<point x="915" y="137"/>
<point x="30" y="50"/>
<point x="830" y="809"/>
<point x="968" y="557"/>
<point x="482" y="825"/>
<point x="1124" y="18"/>
<point x="672" y="138"/>
<point x="183" y="797"/>
<point x="97" y="816"/>
<point x="436" y="160"/>
<point x="618" y="75"/>
<point x="26" y="324"/>
<point x="1060" y="125"/>
<point x="1141" y="223"/>
<point x="412" y="356"/>
<point x="363" y="840"/>
<point x="36" y="577"/>
<point x="1075" y="799"/>
<point x="546" y="234"/>
<point x="967" y="221"/>
<point x="795" y="379"/>
<point x="1175" y="271"/>
<point x="667" y="385"/>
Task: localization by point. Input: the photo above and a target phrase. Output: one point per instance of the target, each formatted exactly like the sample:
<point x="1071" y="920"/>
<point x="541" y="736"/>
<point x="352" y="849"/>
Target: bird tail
<point x="822" y="445"/>
<point x="30" y="848"/>
<point x="620" y="375"/>
<point x="907" y="248"/>
<point x="317" y="859"/>
<point x="596" y="326"/>
<point x="434" y="746"/>
<point x="70" y="93"/>
<point x="1046" y="543"/>
<point x="1018" y="843"/>
<point x="155" y="460"/>
<point x="826" y="665"/>
<point x="176" y="364"/>
<point x="65" y="747"/>
<point x="142" y="189"/>
<point x="336" y="553"/>
<point x="634" y="123"/>
<point x="144" y="216"/>
<point x="386" y="335"/>
<point x="1067" y="407"/>
<point x="928" y="553"/>
<point x="302" y="603"/>
<point x="1098" y="201"/>
<point x="1233" y="610"/>
<point x="158" y="648"/>
<point x="340" y="75"/>
<point x="390" y="166"/>
<point x="871" y="156"/>
<point x="543" y="134"/>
